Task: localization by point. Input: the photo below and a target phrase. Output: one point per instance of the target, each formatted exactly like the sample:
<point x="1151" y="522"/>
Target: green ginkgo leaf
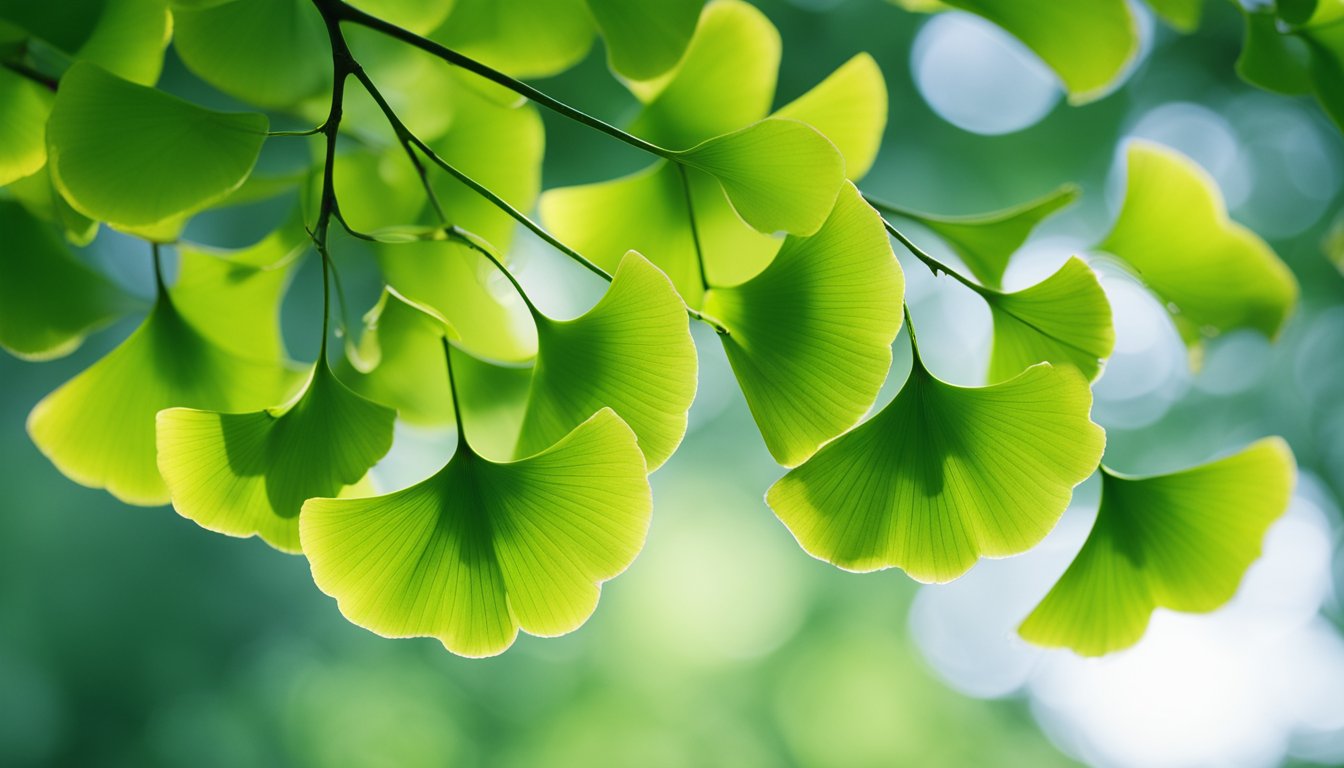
<point x="24" y="106"/>
<point x="1064" y="319"/>
<point x="849" y="107"/>
<point x="1324" y="35"/>
<point x="525" y="38"/>
<point x="248" y="474"/>
<point x="645" y="39"/>
<point x="1214" y="274"/>
<point x="419" y="16"/>
<point x="233" y="297"/>
<point x="98" y="428"/>
<point x="39" y="195"/>
<point x="986" y="242"/>
<point x="272" y="53"/>
<point x="49" y="301"/>
<point x="632" y="352"/>
<point x="1270" y="59"/>
<point x="726" y="79"/>
<point x="134" y="156"/>
<point x="483" y="549"/>
<point x="780" y="175"/>
<point x="945" y="475"/>
<point x="1181" y="14"/>
<point x="810" y="337"/>
<point x="129" y="40"/>
<point x="1181" y="541"/>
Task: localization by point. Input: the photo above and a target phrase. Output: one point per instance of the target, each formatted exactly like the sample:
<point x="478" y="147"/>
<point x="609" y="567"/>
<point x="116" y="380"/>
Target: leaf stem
<point x="695" y="232"/>
<point x="159" y="282"/>
<point x="19" y="68"/>
<point x="935" y="266"/>
<point x="346" y="12"/>
<point x="452" y="393"/>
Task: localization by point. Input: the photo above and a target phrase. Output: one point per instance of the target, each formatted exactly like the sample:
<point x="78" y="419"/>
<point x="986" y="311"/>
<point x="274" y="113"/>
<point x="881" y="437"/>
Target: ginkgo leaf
<point x="1181" y="541"/>
<point x="945" y="475"/>
<point x="1064" y="319"/>
<point x="986" y="242"/>
<point x="1088" y="43"/>
<point x="849" y="107"/>
<point x="632" y="352"/>
<point x="37" y="194"/>
<point x="248" y="474"/>
<point x="1270" y="59"/>
<point x="49" y="301"/>
<point x="98" y="428"/>
<point x="398" y="362"/>
<point x="272" y="53"/>
<point x="1181" y="14"/>
<point x="1324" y="35"/>
<point x="129" y="40"/>
<point x="131" y="155"/>
<point x="780" y="175"/>
<point x="1214" y="274"/>
<point x="645" y="40"/>
<point x="233" y="297"/>
<point x="483" y="549"/>
<point x="525" y="38"/>
<point x="725" y="80"/>
<point x="809" y="338"/>
<point x="467" y="290"/>
<point x="24" y="106"/>
<point x="376" y="189"/>
<point x="419" y="16"/>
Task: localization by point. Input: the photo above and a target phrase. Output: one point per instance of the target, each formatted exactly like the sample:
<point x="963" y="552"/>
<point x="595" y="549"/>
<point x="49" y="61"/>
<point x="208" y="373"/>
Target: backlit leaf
<point x="945" y="475"/>
<point x="246" y="474"/>
<point x="632" y="352"/>
<point x="1181" y="14"/>
<point x="850" y="108"/>
<point x="1214" y="274"/>
<point x="525" y="38"/>
<point x="645" y="39"/>
<point x="24" y="106"/>
<point x="1272" y="60"/>
<point x="133" y="156"/>
<point x="1064" y="319"/>
<point x="483" y="549"/>
<point x="810" y="337"/>
<point x="1181" y="541"/>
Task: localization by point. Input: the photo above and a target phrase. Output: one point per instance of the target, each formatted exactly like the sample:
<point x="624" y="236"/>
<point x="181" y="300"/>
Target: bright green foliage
<point x="1181" y="14"/>
<point x="945" y="475"/>
<point x="1214" y="274"/>
<point x="377" y="190"/>
<point x="24" y="106"/>
<point x="483" y="549"/>
<point x="107" y="135"/>
<point x="98" y="428"/>
<point x="725" y="82"/>
<point x="40" y="197"/>
<point x="645" y="39"/>
<point x="632" y="352"/>
<point x="126" y="37"/>
<point x="1088" y="43"/>
<point x="525" y="38"/>
<point x="49" y="301"/>
<point x="246" y="474"/>
<point x="850" y="108"/>
<point x="240" y="47"/>
<point x="986" y="242"/>
<point x="1181" y="541"/>
<point x="1064" y="319"/>
<point x="420" y="16"/>
<point x="780" y="175"/>
<point x="233" y="297"/>
<point x="1297" y="47"/>
<point x="810" y="337"/>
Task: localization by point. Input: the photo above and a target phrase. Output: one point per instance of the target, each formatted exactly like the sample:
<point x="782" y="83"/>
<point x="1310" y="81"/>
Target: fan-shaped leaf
<point x="986" y="242"/>
<point x="1272" y="60"/>
<point x="49" y="301"/>
<point x="482" y="549"/>
<point x="272" y="53"/>
<point x="646" y="39"/>
<point x="780" y="175"/>
<point x="24" y="107"/>
<point x="1088" y="43"/>
<point x="1181" y="14"/>
<point x="945" y="475"/>
<point x="726" y="79"/>
<point x="850" y="108"/>
<point x="129" y="39"/>
<point x="40" y="197"/>
<point x="1214" y="274"/>
<point x="525" y="38"/>
<point x="1064" y="319"/>
<point x="133" y="156"/>
<point x="98" y="428"/>
<point x="248" y="474"/>
<point x="632" y="352"/>
<point x="419" y="16"/>
<point x="1180" y="541"/>
<point x="810" y="337"/>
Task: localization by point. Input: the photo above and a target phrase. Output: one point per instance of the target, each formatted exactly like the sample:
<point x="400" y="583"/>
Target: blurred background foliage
<point x="131" y="637"/>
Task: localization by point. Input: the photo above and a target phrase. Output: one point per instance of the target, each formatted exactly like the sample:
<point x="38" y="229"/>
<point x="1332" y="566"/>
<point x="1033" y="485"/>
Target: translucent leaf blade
<point x="645" y="40"/>
<point x="524" y="38"/>
<point x="849" y="107"/>
<point x="482" y="549"/>
<point x="1065" y="320"/>
<point x="810" y="337"/>
<point x="1181" y="541"/>
<point x="24" y="107"/>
